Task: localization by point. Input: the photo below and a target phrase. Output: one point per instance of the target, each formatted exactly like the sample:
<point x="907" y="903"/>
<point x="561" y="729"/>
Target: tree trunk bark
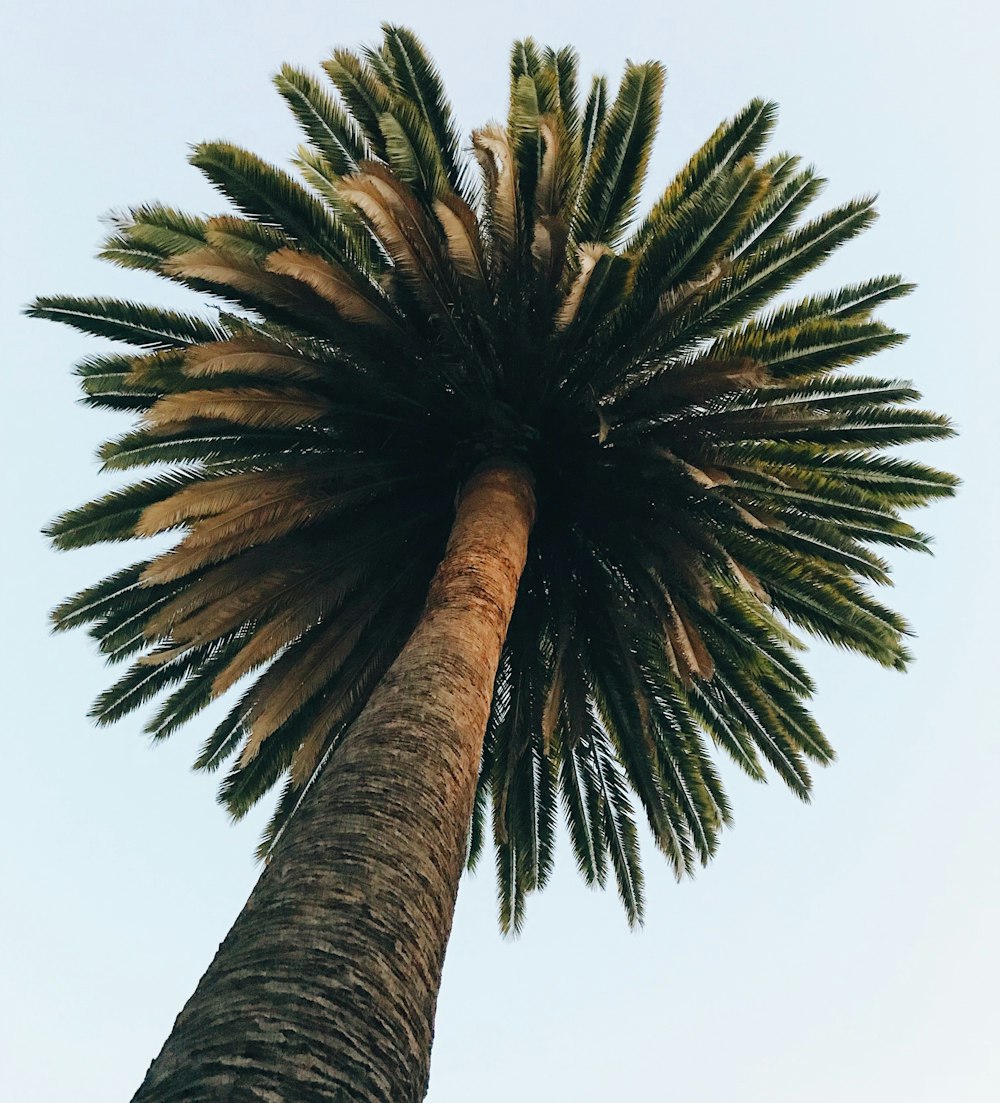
<point x="326" y="986"/>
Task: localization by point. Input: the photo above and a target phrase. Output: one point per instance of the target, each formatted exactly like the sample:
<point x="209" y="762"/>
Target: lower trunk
<point x="326" y="986"/>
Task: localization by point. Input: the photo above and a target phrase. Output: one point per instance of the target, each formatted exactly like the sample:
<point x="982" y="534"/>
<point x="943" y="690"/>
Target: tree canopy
<point x="712" y="472"/>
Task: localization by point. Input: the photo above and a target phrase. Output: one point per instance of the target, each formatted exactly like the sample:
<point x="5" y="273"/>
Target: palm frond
<point x="617" y="168"/>
<point x="331" y="131"/>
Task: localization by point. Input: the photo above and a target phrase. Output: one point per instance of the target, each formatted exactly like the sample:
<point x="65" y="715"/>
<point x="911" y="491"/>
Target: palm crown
<point x="708" y="476"/>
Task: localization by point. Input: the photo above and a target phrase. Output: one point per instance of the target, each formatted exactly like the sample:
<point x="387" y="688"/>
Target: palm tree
<point x="491" y="500"/>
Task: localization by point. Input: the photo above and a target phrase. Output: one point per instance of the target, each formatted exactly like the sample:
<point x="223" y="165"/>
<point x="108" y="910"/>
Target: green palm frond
<point x="734" y="140"/>
<point x="363" y="94"/>
<point x="330" y="129"/>
<point x="412" y="152"/>
<point x="418" y="83"/>
<point x="130" y="323"/>
<point x="617" y="168"/>
<point x="144" y="237"/>
<point x="564" y="64"/>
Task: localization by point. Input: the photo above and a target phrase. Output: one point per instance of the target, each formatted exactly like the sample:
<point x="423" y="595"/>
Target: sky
<point x="842" y="950"/>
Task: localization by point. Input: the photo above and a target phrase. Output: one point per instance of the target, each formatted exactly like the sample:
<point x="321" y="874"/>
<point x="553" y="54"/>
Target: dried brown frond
<point x="400" y="224"/>
<point x="220" y="538"/>
<point x="228" y="269"/>
<point x="291" y="623"/>
<point x="682" y="295"/>
<point x="214" y="496"/>
<point x="276" y="698"/>
<point x="748" y="581"/>
<point x="491" y="147"/>
<point x="588" y="255"/>
<point x="548" y="247"/>
<point x="461" y="231"/>
<point x="333" y="284"/>
<point x="547" y="198"/>
<point x="263" y="407"/>
<point x="690" y="654"/>
<point x="268" y="566"/>
<point x="250" y="356"/>
<point x="227" y="613"/>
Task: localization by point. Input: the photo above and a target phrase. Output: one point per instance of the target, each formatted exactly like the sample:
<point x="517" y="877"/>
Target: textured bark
<point x="326" y="986"/>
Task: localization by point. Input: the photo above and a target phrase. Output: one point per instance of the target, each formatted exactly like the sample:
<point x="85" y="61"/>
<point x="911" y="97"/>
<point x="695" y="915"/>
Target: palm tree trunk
<point x="326" y="986"/>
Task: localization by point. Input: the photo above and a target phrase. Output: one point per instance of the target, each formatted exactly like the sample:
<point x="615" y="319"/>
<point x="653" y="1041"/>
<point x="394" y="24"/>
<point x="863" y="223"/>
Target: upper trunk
<point x="326" y="986"/>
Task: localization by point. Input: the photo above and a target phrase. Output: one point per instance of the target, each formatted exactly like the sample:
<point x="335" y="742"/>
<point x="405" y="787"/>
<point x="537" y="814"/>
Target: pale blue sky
<point x="840" y="951"/>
